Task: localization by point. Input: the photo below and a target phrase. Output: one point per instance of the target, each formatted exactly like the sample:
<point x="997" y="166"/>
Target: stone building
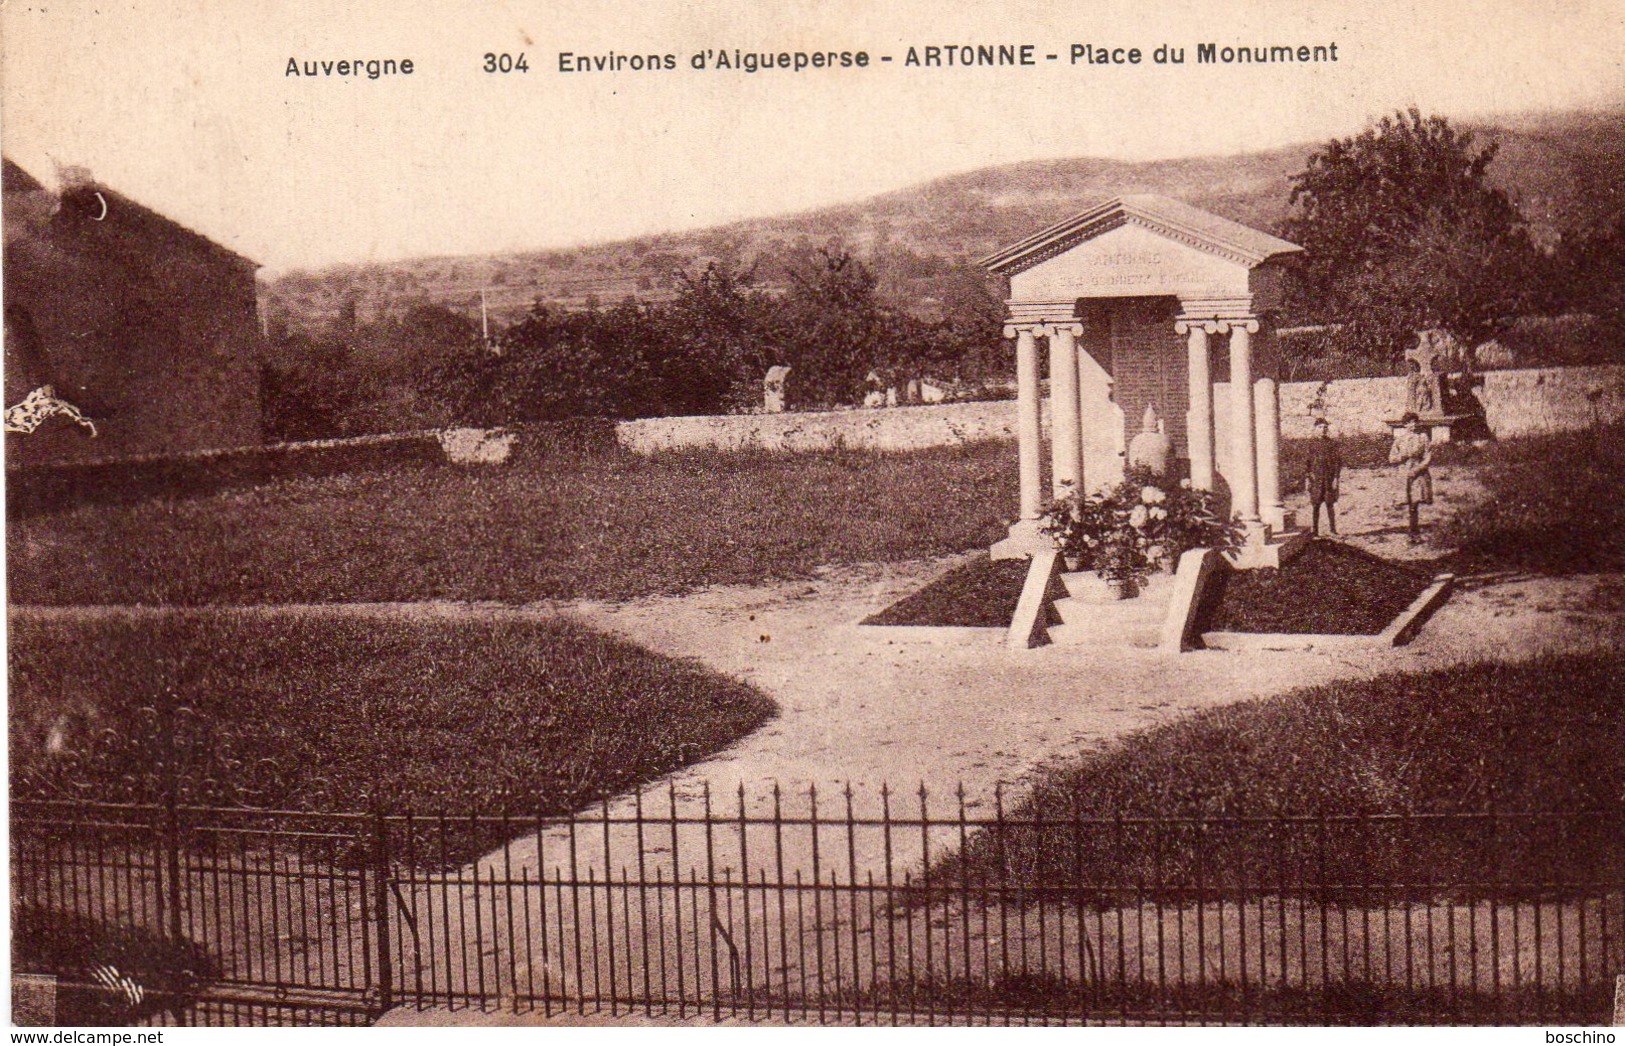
<point x="1145" y="302"/>
<point x="150" y="329"/>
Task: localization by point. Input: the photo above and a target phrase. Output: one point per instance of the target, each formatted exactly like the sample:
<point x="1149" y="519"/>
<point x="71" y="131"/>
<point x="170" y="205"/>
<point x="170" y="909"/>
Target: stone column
<point x="1267" y="414"/>
<point x="1199" y="419"/>
<point x="1243" y="448"/>
<point x="1066" y="433"/>
<point x="1028" y="430"/>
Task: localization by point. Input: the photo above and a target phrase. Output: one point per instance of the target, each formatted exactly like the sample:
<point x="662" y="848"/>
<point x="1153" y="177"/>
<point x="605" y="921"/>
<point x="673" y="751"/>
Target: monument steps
<point x="1090" y="617"/>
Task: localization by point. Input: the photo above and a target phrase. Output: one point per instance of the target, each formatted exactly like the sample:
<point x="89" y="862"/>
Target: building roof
<point x="14" y="179"/>
<point x="18" y="182"/>
<point x="1169" y="217"/>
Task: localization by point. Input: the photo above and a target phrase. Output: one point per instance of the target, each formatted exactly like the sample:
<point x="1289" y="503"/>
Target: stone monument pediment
<point x="1135" y="246"/>
<point x="1130" y="261"/>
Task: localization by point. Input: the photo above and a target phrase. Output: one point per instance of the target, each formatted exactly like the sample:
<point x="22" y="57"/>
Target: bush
<point x="1564" y="341"/>
<point x="1124" y="532"/>
<point x="69" y="945"/>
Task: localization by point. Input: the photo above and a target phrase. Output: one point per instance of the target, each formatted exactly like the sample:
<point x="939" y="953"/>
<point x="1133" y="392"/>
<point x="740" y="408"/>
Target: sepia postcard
<point x="681" y="513"/>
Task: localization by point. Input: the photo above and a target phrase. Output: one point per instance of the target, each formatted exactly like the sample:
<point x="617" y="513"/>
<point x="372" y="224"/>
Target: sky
<point x="185" y="105"/>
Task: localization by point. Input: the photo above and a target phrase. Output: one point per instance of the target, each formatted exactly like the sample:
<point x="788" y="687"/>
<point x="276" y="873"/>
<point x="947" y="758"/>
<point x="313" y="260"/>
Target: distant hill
<point x="1566" y="171"/>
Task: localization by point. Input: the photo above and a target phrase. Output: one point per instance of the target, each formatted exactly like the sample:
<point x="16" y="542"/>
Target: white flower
<point x="1158" y="512"/>
<point x="1152" y="495"/>
<point x="1138" y="516"/>
<point x="1184" y="484"/>
<point x="1155" y="551"/>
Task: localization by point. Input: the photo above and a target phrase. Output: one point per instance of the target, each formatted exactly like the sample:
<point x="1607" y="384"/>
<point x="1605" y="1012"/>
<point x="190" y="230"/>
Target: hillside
<point x="1563" y="169"/>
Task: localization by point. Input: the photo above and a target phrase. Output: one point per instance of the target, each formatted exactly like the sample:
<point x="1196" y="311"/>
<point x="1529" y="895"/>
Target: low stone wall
<point x="1516" y="403"/>
<point x="1520" y="402"/>
<point x="889" y="428"/>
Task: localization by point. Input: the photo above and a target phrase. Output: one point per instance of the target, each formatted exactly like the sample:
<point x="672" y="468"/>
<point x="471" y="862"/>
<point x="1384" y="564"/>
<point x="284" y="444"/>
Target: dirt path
<point x="1371" y="512"/>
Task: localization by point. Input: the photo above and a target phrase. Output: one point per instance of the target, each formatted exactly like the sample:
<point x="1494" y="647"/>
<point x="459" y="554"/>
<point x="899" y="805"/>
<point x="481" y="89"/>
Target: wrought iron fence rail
<point x="838" y="821"/>
<point x="949" y="889"/>
<point x="1232" y="919"/>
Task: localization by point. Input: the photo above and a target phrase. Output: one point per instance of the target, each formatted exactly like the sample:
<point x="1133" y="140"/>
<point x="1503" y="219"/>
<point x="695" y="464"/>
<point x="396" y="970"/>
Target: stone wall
<point x="890" y="428"/>
<point x="1516" y="403"/>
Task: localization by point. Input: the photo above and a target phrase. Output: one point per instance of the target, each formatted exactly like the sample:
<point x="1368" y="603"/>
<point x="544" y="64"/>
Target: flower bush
<point x="1124" y="532"/>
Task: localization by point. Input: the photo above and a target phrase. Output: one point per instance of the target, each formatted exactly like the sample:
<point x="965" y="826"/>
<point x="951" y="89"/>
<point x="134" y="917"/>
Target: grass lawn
<point x="333" y="714"/>
<point x="611" y="525"/>
<point x="1329" y="588"/>
<point x="1546" y="735"/>
<point x="982" y="593"/>
<point x="1555" y="504"/>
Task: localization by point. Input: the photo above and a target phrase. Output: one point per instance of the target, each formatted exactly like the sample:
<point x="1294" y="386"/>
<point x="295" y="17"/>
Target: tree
<point x="833" y="327"/>
<point x="1589" y="268"/>
<point x="1403" y="232"/>
<point x="307" y="388"/>
<point x="721" y="338"/>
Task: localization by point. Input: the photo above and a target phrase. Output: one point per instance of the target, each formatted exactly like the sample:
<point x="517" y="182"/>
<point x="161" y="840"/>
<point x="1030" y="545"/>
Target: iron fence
<point x="787" y="908"/>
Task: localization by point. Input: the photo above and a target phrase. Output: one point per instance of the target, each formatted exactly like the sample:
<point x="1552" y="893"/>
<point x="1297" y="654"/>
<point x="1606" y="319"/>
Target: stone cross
<point x="773" y="389"/>
<point x="1423" y="390"/>
<point x="1433" y="347"/>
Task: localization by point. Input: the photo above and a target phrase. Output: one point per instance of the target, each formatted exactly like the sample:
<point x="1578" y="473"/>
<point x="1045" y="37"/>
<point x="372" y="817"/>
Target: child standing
<point x="1413" y="449"/>
<point x="1322" y="475"/>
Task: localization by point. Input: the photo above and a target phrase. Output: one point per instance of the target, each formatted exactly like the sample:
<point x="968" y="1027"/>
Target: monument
<point x="1151" y="449"/>
<point x="1438" y="386"/>
<point x="1133" y="297"/>
<point x="773" y="389"/>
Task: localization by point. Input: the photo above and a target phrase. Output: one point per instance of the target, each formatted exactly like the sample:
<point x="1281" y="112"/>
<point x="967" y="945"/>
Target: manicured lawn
<point x="344" y="714"/>
<point x="979" y="594"/>
<point x="1546" y="735"/>
<point x="1328" y="588"/>
<point x="610" y="525"/>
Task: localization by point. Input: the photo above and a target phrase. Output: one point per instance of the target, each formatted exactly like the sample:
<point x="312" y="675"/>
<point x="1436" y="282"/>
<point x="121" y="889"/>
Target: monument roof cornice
<point x="1162" y="215"/>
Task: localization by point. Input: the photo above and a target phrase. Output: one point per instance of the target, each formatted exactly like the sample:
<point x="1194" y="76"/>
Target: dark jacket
<point x="1322" y="470"/>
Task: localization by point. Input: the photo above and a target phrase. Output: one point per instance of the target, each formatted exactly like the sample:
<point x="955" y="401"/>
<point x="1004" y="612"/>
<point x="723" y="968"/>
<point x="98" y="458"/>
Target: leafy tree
<point x="973" y="314"/>
<point x="832" y="327"/>
<point x="721" y="332"/>
<point x="306" y="388"/>
<point x="1403" y="232"/>
<point x="1589" y="266"/>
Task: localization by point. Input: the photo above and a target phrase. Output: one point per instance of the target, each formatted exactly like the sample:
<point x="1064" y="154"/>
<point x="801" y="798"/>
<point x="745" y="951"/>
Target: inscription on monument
<point x="1130" y="269"/>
